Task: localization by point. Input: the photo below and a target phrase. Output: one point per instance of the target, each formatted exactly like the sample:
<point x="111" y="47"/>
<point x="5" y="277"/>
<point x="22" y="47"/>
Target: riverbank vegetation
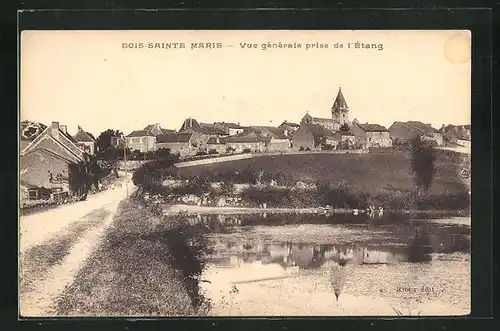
<point x="289" y="183"/>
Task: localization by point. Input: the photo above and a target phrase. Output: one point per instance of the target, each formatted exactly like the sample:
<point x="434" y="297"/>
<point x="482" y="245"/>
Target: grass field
<point x="369" y="173"/>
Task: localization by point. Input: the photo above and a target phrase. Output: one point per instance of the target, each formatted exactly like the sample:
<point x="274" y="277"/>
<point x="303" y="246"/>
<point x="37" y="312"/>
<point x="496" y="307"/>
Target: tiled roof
<point x="83" y="136"/>
<point x="322" y="120"/>
<point x="270" y="131"/>
<point x="423" y="127"/>
<point x="174" y="137"/>
<point x="167" y="131"/>
<point x="247" y="138"/>
<point x="140" y="133"/>
<point x="295" y="125"/>
<point x="190" y="123"/>
<point x="230" y="125"/>
<point x="372" y="127"/>
<point x="317" y="130"/>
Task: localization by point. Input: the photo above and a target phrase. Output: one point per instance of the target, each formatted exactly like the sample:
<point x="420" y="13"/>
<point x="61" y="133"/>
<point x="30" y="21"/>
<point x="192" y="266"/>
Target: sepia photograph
<point x="168" y="173"/>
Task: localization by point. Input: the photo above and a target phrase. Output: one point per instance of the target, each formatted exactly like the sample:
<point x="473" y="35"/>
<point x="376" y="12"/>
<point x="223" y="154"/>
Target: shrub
<point x="213" y="151"/>
<point x="247" y="150"/>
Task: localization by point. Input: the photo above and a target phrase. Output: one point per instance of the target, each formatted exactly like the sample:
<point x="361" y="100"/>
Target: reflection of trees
<point x="419" y="248"/>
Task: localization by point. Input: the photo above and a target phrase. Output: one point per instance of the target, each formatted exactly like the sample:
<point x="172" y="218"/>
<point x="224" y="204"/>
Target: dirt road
<point x="54" y="244"/>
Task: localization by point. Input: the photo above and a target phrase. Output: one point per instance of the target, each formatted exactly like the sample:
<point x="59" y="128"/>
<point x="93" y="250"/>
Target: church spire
<point x="339" y="105"/>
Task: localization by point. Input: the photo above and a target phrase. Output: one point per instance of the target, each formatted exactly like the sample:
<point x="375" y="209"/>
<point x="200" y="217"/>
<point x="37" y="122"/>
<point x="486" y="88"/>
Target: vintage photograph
<point x="244" y="173"/>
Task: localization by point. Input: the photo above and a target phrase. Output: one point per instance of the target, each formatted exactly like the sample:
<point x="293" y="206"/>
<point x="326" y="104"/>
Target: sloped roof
<point x="372" y="127"/>
<point x="83" y="136"/>
<point x="140" y="133"/>
<point x="270" y="131"/>
<point x="423" y="127"/>
<point x="174" y="137"/>
<point x="167" y="131"/>
<point x="322" y="120"/>
<point x="230" y="125"/>
<point x="317" y="130"/>
<point x="339" y="103"/>
<point x="295" y="125"/>
<point x="190" y="123"/>
<point x="247" y="138"/>
<point x="149" y="127"/>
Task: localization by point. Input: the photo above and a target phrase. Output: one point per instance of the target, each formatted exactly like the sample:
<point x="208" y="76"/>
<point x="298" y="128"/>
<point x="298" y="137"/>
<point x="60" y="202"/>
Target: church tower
<point x="340" y="110"/>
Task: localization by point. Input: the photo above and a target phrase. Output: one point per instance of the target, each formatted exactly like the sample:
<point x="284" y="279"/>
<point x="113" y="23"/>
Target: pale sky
<point x="86" y="78"/>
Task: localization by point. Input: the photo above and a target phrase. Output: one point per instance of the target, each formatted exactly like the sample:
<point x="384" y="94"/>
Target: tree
<point x="108" y="139"/>
<point x="422" y="162"/>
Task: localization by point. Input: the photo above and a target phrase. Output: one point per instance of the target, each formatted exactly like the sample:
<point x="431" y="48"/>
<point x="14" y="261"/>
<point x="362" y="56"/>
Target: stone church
<point x="340" y="115"/>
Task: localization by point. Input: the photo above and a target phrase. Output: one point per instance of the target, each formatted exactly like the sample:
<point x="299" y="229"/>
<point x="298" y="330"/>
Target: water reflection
<point x="407" y="240"/>
<point x="347" y="250"/>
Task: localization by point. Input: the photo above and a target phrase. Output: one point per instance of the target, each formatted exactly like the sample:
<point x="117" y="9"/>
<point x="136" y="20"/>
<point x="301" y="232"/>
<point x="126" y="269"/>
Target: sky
<point x="87" y="78"/>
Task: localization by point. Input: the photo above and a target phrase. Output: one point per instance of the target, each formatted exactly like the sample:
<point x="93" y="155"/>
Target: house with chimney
<point x="45" y="161"/>
<point x="402" y="132"/>
<point x="85" y="140"/>
<point x="201" y="133"/>
<point x="145" y="140"/>
<point x="371" y="135"/>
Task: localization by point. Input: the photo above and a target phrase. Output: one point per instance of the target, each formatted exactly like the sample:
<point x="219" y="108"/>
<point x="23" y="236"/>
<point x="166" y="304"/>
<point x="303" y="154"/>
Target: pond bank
<point x="226" y="210"/>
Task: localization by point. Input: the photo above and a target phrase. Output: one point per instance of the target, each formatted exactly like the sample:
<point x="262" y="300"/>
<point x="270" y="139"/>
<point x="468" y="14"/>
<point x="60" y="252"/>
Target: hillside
<point x="373" y="173"/>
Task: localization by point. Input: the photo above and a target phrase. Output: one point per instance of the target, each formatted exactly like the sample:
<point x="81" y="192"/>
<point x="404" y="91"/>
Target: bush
<point x="247" y="150"/>
<point x="213" y="151"/>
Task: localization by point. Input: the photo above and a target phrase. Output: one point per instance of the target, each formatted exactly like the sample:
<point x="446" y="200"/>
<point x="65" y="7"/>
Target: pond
<point x="334" y="265"/>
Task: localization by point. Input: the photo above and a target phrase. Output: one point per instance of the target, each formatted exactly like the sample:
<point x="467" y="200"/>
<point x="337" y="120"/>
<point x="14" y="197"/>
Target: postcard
<point x="244" y="173"/>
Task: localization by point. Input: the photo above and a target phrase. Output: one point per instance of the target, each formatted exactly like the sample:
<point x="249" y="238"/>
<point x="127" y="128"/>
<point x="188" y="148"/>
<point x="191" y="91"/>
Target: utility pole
<point x="125" y="161"/>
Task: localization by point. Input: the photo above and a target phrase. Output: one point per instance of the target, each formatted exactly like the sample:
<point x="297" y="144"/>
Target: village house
<point x="217" y="144"/>
<point x="200" y="135"/>
<point x="457" y="134"/>
<point x="230" y="128"/>
<point x="44" y="162"/>
<point x="181" y="143"/>
<point x="145" y="140"/>
<point x="279" y="141"/>
<point x="345" y="138"/>
<point x="371" y="135"/>
<point x="289" y="128"/>
<point x="402" y="132"/>
<point x="313" y="137"/>
<point x="248" y="141"/>
<point x="85" y="141"/>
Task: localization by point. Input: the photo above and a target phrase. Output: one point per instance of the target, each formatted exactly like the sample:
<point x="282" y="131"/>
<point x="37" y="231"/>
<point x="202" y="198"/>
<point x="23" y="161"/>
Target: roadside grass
<point x="144" y="267"/>
<point x="37" y="260"/>
<point x="371" y="173"/>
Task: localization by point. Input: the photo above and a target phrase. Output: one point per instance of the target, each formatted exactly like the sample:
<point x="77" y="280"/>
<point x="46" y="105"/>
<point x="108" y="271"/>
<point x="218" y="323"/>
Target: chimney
<point x="54" y="130"/>
<point x="64" y="128"/>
